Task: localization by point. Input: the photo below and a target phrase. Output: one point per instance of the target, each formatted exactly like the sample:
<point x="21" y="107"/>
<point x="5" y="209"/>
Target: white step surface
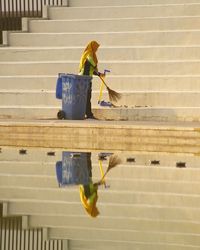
<point x="158" y="204"/>
<point x="126" y="53"/>
<point x="117" y="82"/>
<point x="133" y="38"/>
<point x="109" y="245"/>
<point x="115" y="24"/>
<point x="129" y="99"/>
<point x="111" y="114"/>
<point x="132" y="184"/>
<point x="154" y="172"/>
<point x="117" y="67"/>
<point x="105" y="196"/>
<point x="126" y="2"/>
<point x="181" y="9"/>
<point x="35" y="207"/>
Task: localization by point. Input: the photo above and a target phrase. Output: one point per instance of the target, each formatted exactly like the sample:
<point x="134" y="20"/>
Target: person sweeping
<point x="88" y="66"/>
<point x="89" y="192"/>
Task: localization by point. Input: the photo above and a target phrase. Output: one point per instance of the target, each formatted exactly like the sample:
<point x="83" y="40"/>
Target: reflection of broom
<point x="113" y="162"/>
<point x="113" y="95"/>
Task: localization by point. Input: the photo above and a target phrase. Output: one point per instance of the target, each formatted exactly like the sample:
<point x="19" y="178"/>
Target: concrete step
<point x="126" y="53"/>
<point x="37" y="158"/>
<point x="30" y="156"/>
<point x="133" y="38"/>
<point x="174" y="137"/>
<point x="132" y="161"/>
<point x="35" y="207"/>
<point x="118" y="245"/>
<point x="123" y="171"/>
<point x="131" y="99"/>
<point x="125" y="2"/>
<point x="27" y="98"/>
<point x="149" y="114"/>
<point x="117" y="82"/>
<point x="117" y="114"/>
<point x="131" y="184"/>
<point x="106" y="234"/>
<point x="105" y="196"/>
<point x="29" y="181"/>
<point x="140" y="224"/>
<point x="50" y="194"/>
<point x="130" y="236"/>
<point x="115" y="24"/>
<point x="186" y="9"/>
<point x="117" y="67"/>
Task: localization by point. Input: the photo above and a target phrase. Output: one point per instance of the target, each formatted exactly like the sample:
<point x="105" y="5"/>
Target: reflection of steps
<point x="86" y="3"/>
<point x="155" y="205"/>
<point x="179" y="215"/>
<point x="16" y="233"/>
<point x="151" y="48"/>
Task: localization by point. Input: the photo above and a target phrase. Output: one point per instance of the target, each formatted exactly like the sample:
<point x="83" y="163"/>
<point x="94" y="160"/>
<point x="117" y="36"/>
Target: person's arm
<point x="92" y="63"/>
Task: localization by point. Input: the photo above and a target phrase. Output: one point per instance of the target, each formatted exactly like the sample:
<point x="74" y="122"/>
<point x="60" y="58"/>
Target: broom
<point x="113" y="95"/>
<point x="113" y="162"/>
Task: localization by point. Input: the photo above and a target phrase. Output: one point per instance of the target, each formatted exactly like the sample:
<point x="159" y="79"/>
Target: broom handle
<point x="103" y="178"/>
<point x="101" y="92"/>
<point x="103" y="81"/>
<point x="102" y="173"/>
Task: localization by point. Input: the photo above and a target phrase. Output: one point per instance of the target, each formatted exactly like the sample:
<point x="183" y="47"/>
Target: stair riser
<point x="133" y="224"/>
<point x="152" y="199"/>
<point x="78" y="3"/>
<point x="114" y="211"/>
<point x="124" y="11"/>
<point x="135" y="114"/>
<point x="167" y="38"/>
<point x="117" y="68"/>
<point x="130" y="83"/>
<point x="130" y="236"/>
<point x="124" y="53"/>
<point x="145" y="187"/>
<point x="148" y="24"/>
<point x="140" y="170"/>
<point x="129" y="99"/>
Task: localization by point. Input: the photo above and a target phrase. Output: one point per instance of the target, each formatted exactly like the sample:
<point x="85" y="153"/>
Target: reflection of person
<point x="88" y="192"/>
<point x="88" y="66"/>
<point x="89" y="197"/>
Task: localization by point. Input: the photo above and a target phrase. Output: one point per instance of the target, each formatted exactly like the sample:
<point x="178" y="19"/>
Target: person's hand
<point x="101" y="75"/>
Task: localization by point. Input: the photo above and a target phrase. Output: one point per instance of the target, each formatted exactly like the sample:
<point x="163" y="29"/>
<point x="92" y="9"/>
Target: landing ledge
<point x="176" y="137"/>
<point x="91" y="123"/>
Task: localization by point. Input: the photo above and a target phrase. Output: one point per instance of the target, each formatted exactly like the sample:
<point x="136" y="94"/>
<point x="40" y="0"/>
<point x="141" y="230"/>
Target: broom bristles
<point x="113" y="162"/>
<point x="113" y="95"/>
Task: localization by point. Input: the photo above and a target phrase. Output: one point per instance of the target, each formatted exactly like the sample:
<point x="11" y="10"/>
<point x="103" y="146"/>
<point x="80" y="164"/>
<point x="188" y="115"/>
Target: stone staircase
<point x="151" y="47"/>
<point x="15" y="234"/>
<point x="148" y="206"/>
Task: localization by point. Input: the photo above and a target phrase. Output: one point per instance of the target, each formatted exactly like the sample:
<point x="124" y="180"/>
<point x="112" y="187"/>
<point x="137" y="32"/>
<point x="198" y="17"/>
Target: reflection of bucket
<point x="73" y="169"/>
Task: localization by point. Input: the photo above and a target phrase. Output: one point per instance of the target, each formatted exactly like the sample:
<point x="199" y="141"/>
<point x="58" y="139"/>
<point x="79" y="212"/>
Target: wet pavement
<point x="147" y="200"/>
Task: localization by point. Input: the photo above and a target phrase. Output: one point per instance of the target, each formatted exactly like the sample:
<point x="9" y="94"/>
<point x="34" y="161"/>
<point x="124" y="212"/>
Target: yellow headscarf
<point x="89" y="50"/>
<point x="90" y="208"/>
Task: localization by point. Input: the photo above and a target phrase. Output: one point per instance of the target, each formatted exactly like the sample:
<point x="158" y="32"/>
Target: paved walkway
<point x="100" y="123"/>
<point x="102" y="135"/>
